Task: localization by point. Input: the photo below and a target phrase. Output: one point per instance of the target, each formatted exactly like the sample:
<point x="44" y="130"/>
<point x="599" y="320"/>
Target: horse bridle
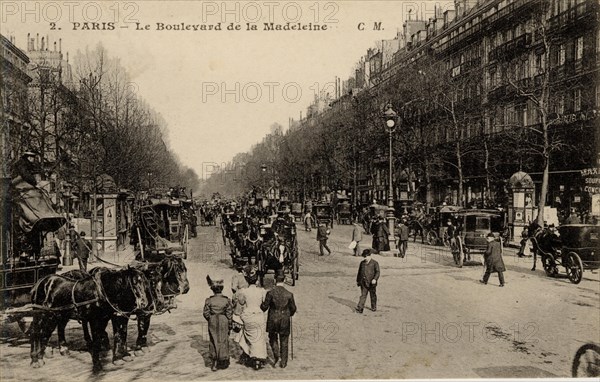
<point x="117" y="310"/>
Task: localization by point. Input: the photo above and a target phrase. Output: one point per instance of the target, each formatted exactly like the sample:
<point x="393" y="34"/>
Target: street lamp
<point x="391" y="122"/>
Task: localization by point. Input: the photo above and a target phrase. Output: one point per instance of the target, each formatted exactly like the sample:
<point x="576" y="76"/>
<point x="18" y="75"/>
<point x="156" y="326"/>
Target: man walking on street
<point x="280" y="303"/>
<point x="82" y="247"/>
<point x="366" y="279"/>
<point x="493" y="260"/>
<point x="357" y="237"/>
<point x="322" y="234"/>
<point x="403" y="233"/>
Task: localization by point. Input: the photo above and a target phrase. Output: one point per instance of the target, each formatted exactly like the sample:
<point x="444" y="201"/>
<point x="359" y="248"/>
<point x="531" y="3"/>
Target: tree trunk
<point x="460" y="174"/>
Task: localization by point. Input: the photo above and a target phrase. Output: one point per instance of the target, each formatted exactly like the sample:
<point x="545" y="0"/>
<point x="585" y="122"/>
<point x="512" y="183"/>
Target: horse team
<point x="102" y="295"/>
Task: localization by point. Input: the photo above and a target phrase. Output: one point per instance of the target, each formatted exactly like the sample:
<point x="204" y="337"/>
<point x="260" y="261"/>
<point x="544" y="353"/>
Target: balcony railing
<point x="574" y="15"/>
<point x="511" y="48"/>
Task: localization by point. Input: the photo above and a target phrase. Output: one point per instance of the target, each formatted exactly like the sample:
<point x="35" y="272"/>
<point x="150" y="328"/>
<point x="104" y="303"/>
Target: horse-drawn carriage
<point x="323" y="213"/>
<point x="208" y="214"/>
<point x="344" y="213"/>
<point x="160" y="227"/>
<point x="27" y="241"/>
<point x="437" y="225"/>
<point x="297" y="211"/>
<point x="579" y="250"/>
<point x="471" y="230"/>
<point x="279" y="250"/>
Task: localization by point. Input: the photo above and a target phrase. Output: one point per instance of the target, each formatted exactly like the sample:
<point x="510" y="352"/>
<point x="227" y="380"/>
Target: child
<point x="493" y="259"/>
<point x="218" y="311"/>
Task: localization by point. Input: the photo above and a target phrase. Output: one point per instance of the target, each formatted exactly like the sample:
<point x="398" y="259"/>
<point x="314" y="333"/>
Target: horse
<point x="416" y="227"/>
<point x="546" y="242"/>
<point x="252" y="242"/>
<point x="95" y="299"/>
<point x="174" y="281"/>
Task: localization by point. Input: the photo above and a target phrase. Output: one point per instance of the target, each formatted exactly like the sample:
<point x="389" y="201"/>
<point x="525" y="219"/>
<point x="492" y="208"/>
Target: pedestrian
<point x="493" y="259"/>
<point x="381" y="240"/>
<point x="357" y="237"/>
<point x="218" y="311"/>
<point x="523" y="243"/>
<point x="238" y="282"/>
<point x="322" y="236"/>
<point x="82" y="251"/>
<point x="280" y="303"/>
<point x="403" y="234"/>
<point x="252" y="336"/>
<point x="308" y="221"/>
<point x="366" y="279"/>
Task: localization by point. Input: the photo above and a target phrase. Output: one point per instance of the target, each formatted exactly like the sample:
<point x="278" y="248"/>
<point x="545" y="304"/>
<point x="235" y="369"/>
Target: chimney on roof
<point x="37" y="41"/>
<point x="60" y="45"/>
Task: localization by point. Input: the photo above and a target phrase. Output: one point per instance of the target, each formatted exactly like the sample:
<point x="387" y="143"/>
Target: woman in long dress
<point x="218" y="312"/>
<point x="252" y="337"/>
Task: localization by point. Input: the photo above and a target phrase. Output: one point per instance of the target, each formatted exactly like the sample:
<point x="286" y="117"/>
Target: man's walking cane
<point x="292" y="338"/>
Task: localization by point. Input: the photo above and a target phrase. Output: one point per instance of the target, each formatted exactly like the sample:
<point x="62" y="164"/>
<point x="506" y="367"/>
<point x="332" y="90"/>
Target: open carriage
<point x="28" y="246"/>
<point x="580" y="250"/>
<point x="279" y="250"/>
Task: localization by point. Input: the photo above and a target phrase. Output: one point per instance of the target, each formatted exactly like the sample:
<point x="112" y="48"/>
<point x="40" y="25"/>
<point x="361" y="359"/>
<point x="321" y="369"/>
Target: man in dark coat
<point x="493" y="259"/>
<point x="403" y="233"/>
<point x="26" y="168"/>
<point x="280" y="303"/>
<point x="322" y="235"/>
<point x="366" y="279"/>
<point x="82" y="247"/>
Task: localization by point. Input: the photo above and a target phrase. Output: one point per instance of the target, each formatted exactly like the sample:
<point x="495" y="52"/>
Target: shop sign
<point x="591" y="179"/>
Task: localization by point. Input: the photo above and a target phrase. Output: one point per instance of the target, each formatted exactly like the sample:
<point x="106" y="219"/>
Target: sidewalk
<point x="120" y="258"/>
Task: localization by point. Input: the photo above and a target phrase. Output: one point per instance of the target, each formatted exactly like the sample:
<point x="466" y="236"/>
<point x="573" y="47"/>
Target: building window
<point x="577" y="100"/>
<point x="562" y="53"/>
<point x="579" y="48"/>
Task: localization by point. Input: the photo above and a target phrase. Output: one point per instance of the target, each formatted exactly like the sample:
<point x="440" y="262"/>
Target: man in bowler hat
<point x="366" y="279"/>
<point x="280" y="303"/>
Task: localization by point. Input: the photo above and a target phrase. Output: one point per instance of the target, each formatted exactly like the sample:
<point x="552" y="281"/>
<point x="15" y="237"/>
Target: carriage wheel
<point x="432" y="238"/>
<point x="586" y="363"/>
<point x="446" y="240"/>
<point x="574" y="267"/>
<point x="549" y="265"/>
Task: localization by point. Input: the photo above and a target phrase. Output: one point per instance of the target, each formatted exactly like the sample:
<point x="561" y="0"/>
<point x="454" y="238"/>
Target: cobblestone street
<point x="429" y="322"/>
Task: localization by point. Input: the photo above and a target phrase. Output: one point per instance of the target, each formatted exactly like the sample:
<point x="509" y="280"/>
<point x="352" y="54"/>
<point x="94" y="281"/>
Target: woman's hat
<point x="214" y="281"/>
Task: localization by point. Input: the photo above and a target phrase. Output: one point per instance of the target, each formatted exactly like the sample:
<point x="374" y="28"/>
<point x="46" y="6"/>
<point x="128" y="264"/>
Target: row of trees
<point x="96" y="124"/>
<point x="454" y="126"/>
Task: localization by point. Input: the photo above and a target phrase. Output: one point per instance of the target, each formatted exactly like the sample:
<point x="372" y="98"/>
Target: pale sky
<point x="177" y="72"/>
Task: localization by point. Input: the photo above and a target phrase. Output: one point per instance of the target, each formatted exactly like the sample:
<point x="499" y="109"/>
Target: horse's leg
<point x="143" y="325"/>
<point x="534" y="259"/>
<point x="36" y="353"/>
<point x="119" y="324"/>
<point x="97" y="326"/>
<point x="86" y="333"/>
<point x="62" y="342"/>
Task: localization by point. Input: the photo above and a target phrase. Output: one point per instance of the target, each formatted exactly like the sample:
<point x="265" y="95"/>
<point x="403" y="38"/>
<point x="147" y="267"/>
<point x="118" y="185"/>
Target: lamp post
<point x="391" y="122"/>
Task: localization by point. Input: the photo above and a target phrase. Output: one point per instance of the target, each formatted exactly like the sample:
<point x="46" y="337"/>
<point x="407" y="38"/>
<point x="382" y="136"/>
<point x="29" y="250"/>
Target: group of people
<point x="244" y="314"/>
